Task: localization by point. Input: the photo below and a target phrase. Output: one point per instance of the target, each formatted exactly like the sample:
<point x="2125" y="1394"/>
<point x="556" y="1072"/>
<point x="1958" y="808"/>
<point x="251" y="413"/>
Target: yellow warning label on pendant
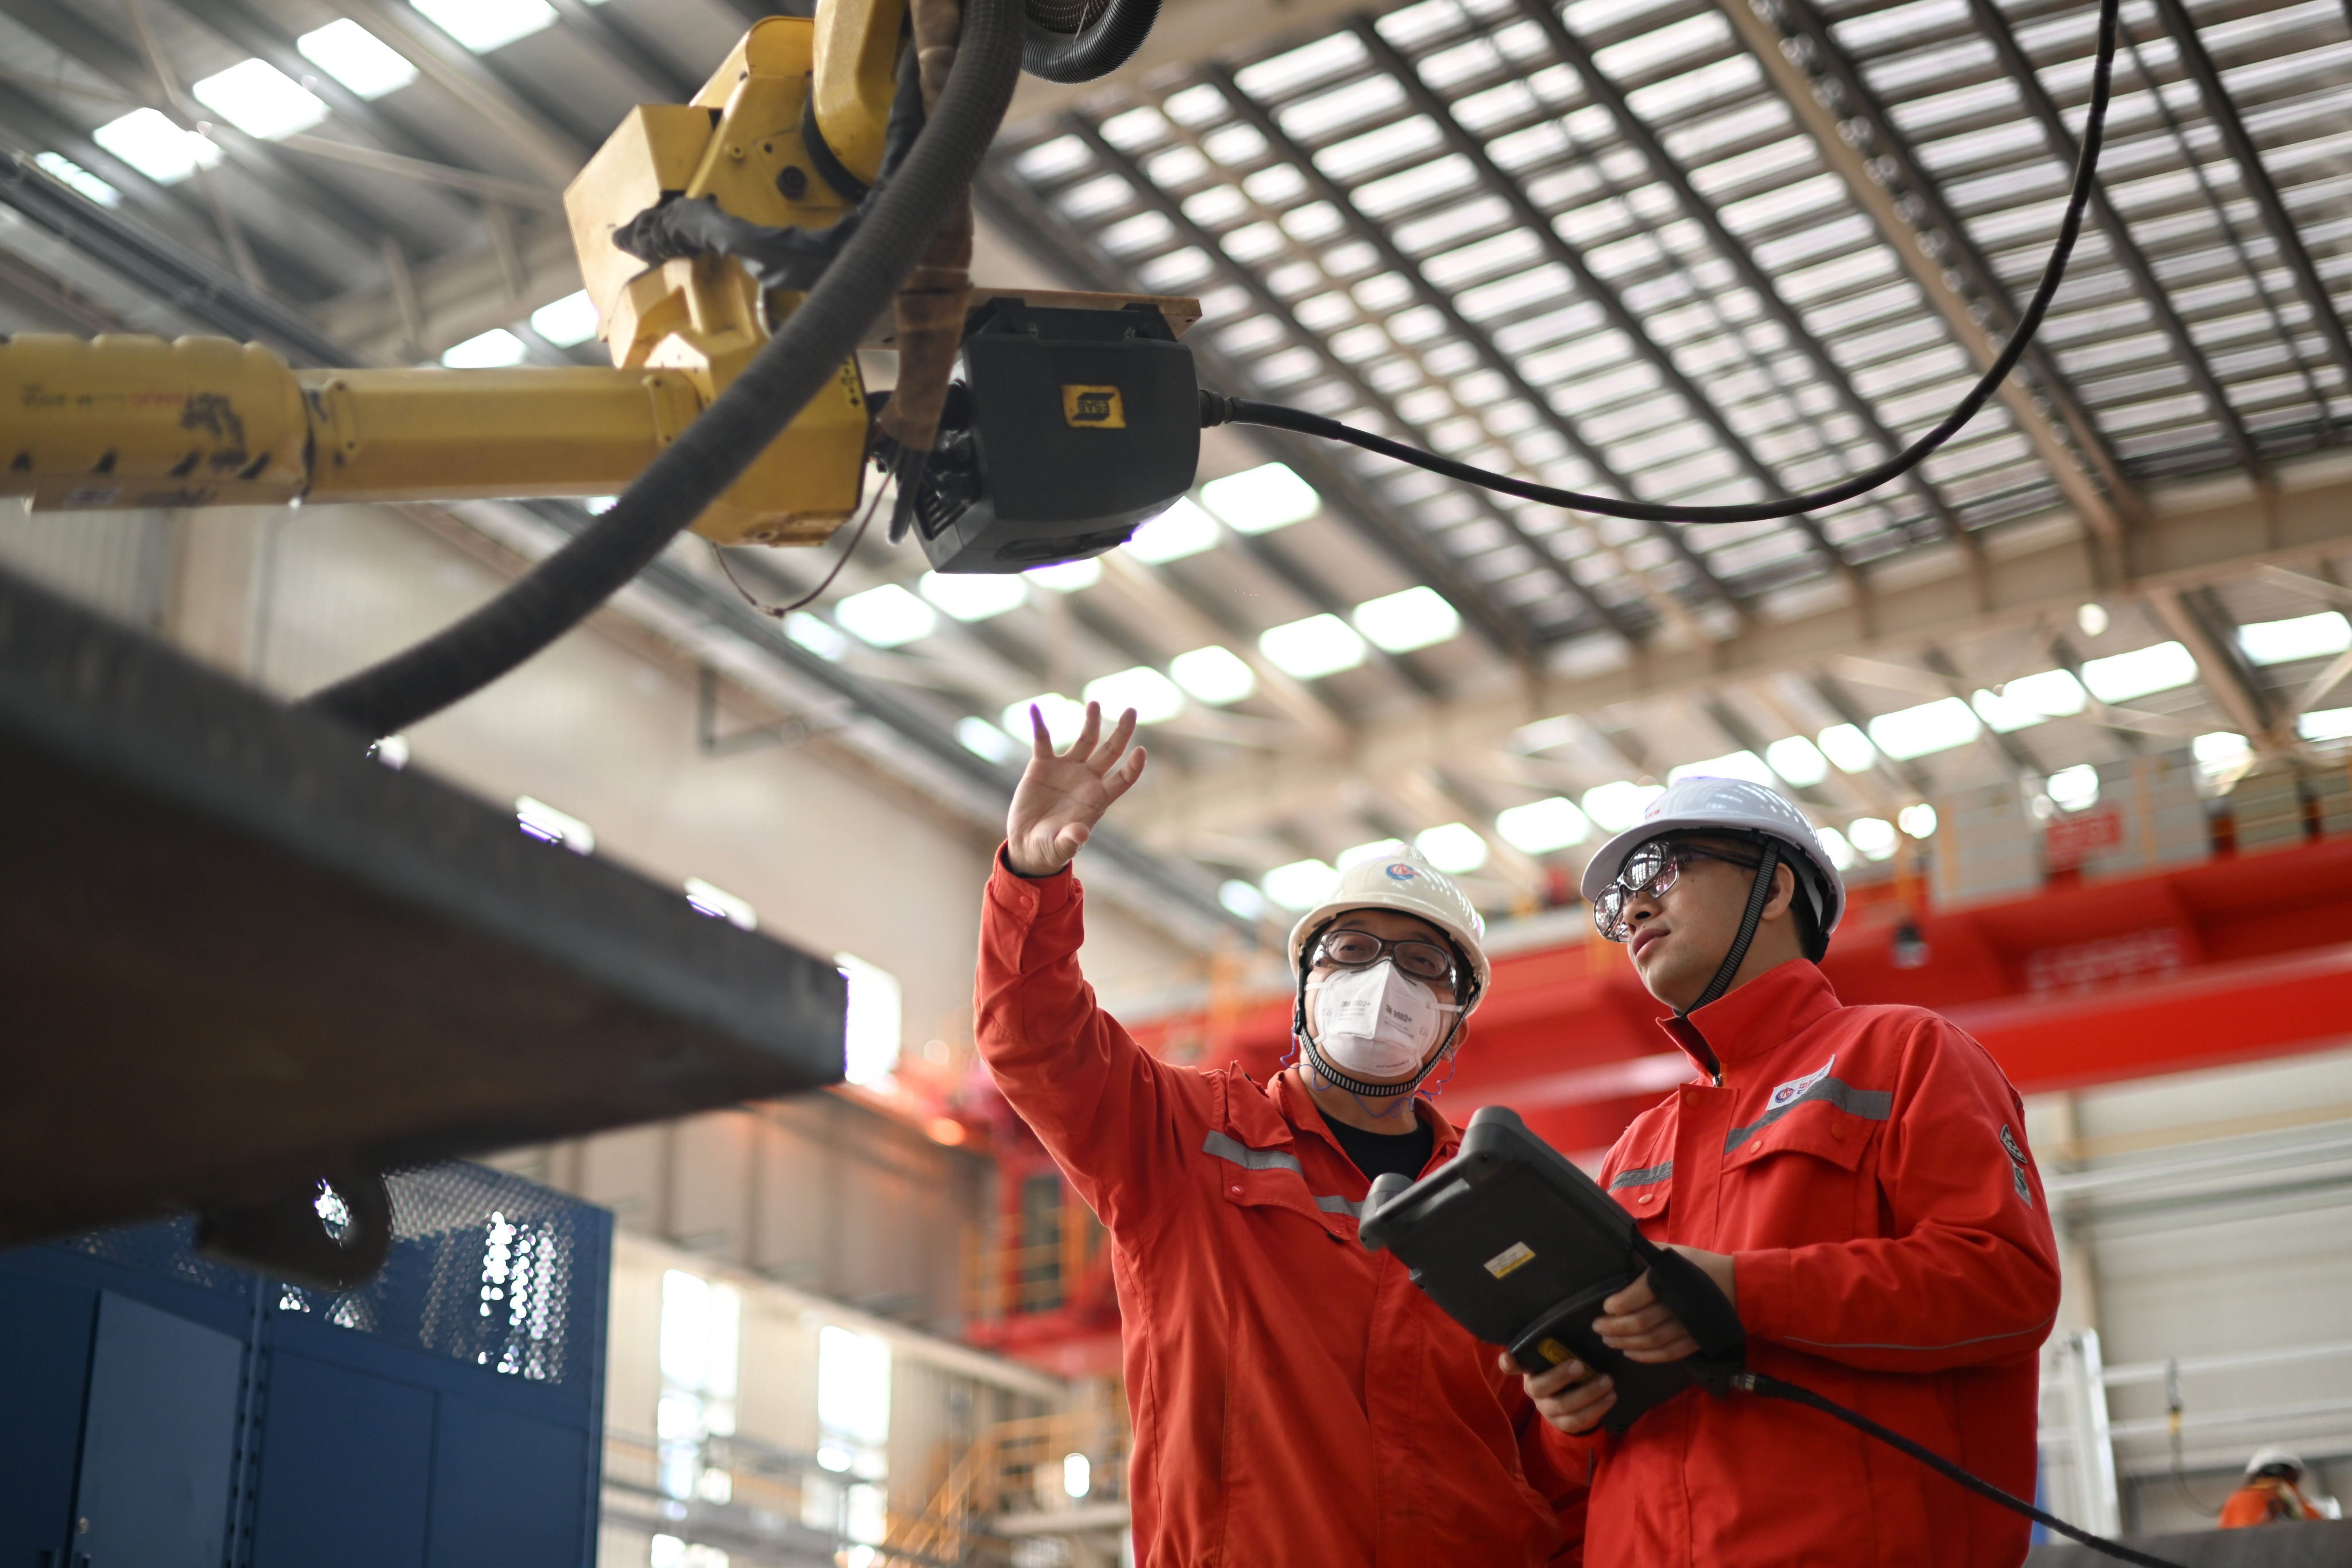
<point x="1510" y="1257"/>
<point x="1093" y="407"/>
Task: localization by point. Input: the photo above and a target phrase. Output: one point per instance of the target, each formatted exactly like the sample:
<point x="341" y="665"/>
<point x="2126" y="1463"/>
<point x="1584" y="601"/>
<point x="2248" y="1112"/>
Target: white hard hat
<point x="1725" y="806"/>
<point x="1405" y="882"/>
<point x="2265" y="1458"/>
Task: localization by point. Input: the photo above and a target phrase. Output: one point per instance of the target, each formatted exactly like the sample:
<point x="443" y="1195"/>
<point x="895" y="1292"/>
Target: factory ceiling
<point x="1693" y="250"/>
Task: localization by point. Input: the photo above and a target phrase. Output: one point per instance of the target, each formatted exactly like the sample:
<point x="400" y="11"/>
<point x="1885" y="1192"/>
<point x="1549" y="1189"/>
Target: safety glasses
<point x="1416" y="956"/>
<point x="1653" y="868"/>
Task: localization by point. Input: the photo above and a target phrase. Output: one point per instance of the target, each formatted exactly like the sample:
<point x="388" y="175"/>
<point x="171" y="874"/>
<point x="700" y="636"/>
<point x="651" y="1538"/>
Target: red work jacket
<point x="1867" y="1169"/>
<point x="1298" y="1402"/>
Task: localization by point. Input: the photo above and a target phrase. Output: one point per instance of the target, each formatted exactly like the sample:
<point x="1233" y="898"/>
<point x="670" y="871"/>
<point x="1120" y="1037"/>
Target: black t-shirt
<point x="1376" y="1153"/>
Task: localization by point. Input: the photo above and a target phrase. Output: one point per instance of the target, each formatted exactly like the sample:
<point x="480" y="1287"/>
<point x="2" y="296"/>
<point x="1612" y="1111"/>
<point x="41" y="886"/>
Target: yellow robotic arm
<point x="128" y="421"/>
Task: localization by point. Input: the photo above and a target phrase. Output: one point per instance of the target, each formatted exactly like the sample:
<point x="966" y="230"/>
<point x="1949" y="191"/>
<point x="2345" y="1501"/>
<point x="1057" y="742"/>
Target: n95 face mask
<point x="1374" y="1022"/>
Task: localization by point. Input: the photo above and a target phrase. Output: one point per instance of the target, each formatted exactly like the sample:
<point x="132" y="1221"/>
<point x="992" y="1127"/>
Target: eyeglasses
<point x="1653" y="868"/>
<point x="1416" y="956"/>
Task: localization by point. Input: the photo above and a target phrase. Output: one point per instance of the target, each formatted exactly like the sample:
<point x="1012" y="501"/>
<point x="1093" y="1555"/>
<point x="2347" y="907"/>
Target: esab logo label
<point x="1093" y="407"/>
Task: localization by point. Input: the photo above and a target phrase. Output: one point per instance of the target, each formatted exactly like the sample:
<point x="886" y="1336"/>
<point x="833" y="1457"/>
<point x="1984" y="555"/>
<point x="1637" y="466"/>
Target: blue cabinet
<point x="163" y="1411"/>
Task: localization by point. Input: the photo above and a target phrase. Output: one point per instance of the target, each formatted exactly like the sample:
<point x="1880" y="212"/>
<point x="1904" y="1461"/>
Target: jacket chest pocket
<point x="1647" y="1193"/>
<point x="1802" y="1178"/>
<point x="1273" y="1179"/>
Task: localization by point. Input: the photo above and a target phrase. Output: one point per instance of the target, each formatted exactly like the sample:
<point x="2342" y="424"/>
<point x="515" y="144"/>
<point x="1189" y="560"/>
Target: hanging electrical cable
<point x="1218" y="409"/>
<point x="1064" y="43"/>
<point x="712" y="451"/>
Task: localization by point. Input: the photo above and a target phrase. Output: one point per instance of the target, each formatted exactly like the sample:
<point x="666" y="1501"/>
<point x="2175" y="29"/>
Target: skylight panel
<point x="1378" y="850"/>
<point x="568" y="321"/>
<point x="1154" y="697"/>
<point x="486" y="25"/>
<point x="1242" y="899"/>
<point x="2029" y="700"/>
<point x="2303" y="637"/>
<point x="2326" y="725"/>
<point x="983" y="739"/>
<point x="1296" y="69"/>
<point x="1797" y="760"/>
<point x="493" y="349"/>
<point x="1418" y="618"/>
<point x="59" y="167"/>
<point x="150" y="143"/>
<point x="1920" y="731"/>
<point x="1543" y="825"/>
<point x="817" y="634"/>
<point x="886" y="617"/>
<point x="1614" y="807"/>
<point x="1873" y="836"/>
<point x="1066" y="576"/>
<point x="1182" y="530"/>
<point x="1300" y="885"/>
<point x="1213" y="675"/>
<point x="1261" y="499"/>
<point x="2139" y="673"/>
<point x="1841" y="850"/>
<point x="1313" y="647"/>
<point x="1064" y="717"/>
<point x="356" y="57"/>
<point x="2076" y="788"/>
<point x="260" y="100"/>
<point x="974" y="595"/>
<point x="1453" y="847"/>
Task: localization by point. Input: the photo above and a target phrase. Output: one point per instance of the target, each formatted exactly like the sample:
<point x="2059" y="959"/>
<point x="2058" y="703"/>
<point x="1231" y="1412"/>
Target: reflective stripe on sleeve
<point x="1642" y="1177"/>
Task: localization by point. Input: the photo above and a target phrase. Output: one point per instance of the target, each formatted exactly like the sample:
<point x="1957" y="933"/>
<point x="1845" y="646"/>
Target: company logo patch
<point x="1795" y="1089"/>
<point x="2009" y="1141"/>
<point x="1093" y="407"/>
<point x="1398" y="871"/>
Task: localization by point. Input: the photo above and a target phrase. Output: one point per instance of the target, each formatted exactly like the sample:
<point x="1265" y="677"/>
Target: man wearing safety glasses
<point x="1296" y="1400"/>
<point x="1856" y="1180"/>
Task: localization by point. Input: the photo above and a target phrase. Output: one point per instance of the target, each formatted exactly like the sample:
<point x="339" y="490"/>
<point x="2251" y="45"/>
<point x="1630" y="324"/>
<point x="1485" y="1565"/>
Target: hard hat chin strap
<point x="1358" y="1087"/>
<point x="1759" y="893"/>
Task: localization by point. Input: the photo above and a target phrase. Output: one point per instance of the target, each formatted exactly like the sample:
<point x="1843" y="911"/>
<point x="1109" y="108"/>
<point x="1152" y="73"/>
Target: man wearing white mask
<point x="1296" y="1400"/>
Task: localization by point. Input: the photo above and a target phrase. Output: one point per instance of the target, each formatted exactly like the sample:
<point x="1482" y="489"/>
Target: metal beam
<point x="1994" y="24"/>
<point x="2193" y="616"/>
<point x="556" y="154"/>
<point x="2277" y="222"/>
<point x="2038" y="573"/>
<point x="1857" y="140"/>
<point x="2015" y="752"/>
<point x="1589" y="283"/>
<point x="1442" y="574"/>
<point x="1602" y="89"/>
<point x="1475" y="338"/>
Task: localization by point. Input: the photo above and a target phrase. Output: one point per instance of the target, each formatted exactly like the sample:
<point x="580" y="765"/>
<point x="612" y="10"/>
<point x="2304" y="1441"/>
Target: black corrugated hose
<point x="687" y="475"/>
<point x="1216" y="409"/>
<point x="1096" y="50"/>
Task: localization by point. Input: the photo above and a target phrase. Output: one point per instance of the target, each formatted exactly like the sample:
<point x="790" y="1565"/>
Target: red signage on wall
<point x="2072" y="840"/>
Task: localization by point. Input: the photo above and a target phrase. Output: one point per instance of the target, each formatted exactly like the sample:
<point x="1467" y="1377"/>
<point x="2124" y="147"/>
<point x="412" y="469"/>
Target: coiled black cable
<point x="1216" y="409"/>
<point x="1772" y="1387"/>
<point x="1091" y="51"/>
<point x="563" y="590"/>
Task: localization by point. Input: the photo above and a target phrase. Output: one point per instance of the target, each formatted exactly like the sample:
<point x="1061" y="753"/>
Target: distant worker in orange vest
<point x="2273" y="1493"/>
<point x="1298" y="1402"/>
<point x="1855" y="1181"/>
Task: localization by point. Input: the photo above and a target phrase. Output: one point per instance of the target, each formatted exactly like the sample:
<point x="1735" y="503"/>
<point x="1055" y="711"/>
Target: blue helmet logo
<point x="1400" y="872"/>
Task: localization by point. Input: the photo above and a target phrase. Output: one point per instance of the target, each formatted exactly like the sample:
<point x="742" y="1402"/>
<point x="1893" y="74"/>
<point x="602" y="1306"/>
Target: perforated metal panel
<point x="483" y="1270"/>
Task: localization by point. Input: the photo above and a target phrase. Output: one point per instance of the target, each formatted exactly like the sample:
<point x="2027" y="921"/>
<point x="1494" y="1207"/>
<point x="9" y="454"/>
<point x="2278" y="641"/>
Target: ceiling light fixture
<point x="1541" y="827"/>
<point x="356" y="57"/>
<point x="260" y="100"/>
<point x="486" y="25"/>
<point x="1214" y="675"/>
<point x="1920" y="731"/>
<point x="1400" y="623"/>
<point x="1261" y="499"/>
<point x="2142" y="672"/>
<point x="1154" y="697"/>
<point x="974" y="595"/>
<point x="1182" y="530"/>
<point x="59" y="167"/>
<point x="1313" y="648"/>
<point x="150" y="143"/>
<point x="1614" y="807"/>
<point x="1067" y="576"/>
<point x="1453" y="847"/>
<point x="568" y="321"/>
<point x="2322" y="636"/>
<point x="1300" y="885"/>
<point x="886" y="617"/>
<point x="494" y="350"/>
<point x="1797" y="760"/>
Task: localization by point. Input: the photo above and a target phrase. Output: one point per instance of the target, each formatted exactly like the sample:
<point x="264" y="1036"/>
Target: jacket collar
<point x="1298" y="1108"/>
<point x="1753" y="1019"/>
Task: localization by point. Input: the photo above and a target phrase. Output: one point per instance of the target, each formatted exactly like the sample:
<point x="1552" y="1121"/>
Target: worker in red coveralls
<point x="1856" y="1180"/>
<point x="1298" y="1402"/>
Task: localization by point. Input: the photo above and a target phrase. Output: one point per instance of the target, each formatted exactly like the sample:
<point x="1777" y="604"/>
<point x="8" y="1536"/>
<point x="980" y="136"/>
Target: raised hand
<point x="1062" y="795"/>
